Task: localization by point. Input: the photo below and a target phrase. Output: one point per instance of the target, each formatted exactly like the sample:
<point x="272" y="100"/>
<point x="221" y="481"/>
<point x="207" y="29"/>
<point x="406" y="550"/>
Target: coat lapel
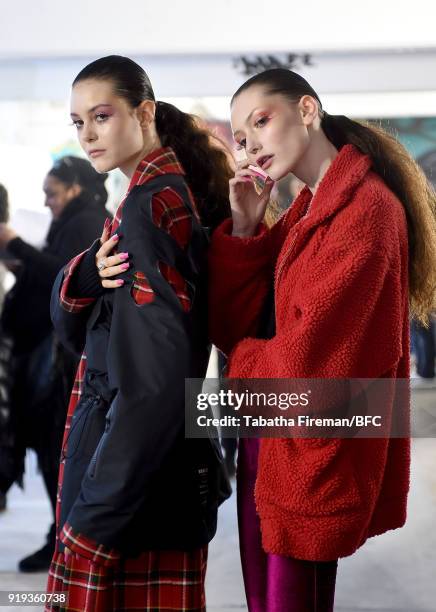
<point x="344" y="175"/>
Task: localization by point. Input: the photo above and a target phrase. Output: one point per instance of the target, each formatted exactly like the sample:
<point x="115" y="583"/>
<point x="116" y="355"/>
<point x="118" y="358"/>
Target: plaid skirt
<point x="154" y="581"/>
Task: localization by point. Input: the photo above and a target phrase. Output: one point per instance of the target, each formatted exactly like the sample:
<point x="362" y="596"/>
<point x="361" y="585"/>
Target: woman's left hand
<point x="6" y="235"/>
<point x="110" y="265"/>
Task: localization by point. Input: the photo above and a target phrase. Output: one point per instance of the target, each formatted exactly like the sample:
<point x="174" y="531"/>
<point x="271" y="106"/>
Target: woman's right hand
<point x="110" y="265"/>
<point x="248" y="206"/>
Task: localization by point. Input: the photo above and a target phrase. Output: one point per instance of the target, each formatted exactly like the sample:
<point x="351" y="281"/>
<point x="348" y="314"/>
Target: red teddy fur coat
<point x="341" y="299"/>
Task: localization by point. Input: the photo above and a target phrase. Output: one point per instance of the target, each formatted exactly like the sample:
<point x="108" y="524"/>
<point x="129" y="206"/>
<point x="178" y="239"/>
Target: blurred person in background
<point x="4" y="218"/>
<point x="423" y="336"/>
<point x="423" y="347"/>
<point x="5" y="432"/>
<point x="42" y="371"/>
<point x="340" y="270"/>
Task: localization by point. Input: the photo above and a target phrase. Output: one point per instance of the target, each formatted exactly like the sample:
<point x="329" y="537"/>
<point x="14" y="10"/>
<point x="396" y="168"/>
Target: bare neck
<point x="315" y="163"/>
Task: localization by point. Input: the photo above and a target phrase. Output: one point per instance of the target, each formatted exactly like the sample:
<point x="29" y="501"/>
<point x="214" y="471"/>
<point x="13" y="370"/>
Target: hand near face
<point x="248" y="206"/>
<point x="6" y="235"/>
<point x="110" y="265"/>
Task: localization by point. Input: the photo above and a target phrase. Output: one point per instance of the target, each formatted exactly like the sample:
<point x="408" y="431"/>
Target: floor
<point x="395" y="572"/>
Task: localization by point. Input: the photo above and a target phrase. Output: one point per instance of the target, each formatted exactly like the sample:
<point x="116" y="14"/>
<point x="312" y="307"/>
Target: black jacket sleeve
<point x="86" y="282"/>
<point x="152" y="349"/>
<point x="70" y="327"/>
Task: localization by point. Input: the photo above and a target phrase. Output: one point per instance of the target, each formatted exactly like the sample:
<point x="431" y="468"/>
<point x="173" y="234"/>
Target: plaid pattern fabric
<point x="68" y="303"/>
<point x="95" y="578"/>
<point x="154" y="581"/>
<point x="74" y="400"/>
<point x="83" y="546"/>
<point x="159" y="162"/>
<point x="178" y="283"/>
<point x="171" y="215"/>
<point x="141" y="291"/>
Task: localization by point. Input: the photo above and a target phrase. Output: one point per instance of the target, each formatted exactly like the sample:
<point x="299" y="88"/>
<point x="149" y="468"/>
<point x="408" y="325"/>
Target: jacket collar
<point x="342" y="178"/>
<point x="157" y="163"/>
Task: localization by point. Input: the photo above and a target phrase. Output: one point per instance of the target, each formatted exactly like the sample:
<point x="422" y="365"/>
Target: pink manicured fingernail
<point x="124" y="255"/>
<point x="125" y="266"/>
<point x="120" y="282"/>
<point x="115" y="237"/>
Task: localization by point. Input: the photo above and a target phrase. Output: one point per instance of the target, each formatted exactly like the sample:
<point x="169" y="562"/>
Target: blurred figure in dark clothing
<point x="4" y="204"/>
<point x="4" y="355"/>
<point x="423" y="346"/>
<point x="42" y="371"/>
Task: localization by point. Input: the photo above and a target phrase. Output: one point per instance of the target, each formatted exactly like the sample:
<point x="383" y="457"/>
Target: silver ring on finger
<point x="101" y="265"/>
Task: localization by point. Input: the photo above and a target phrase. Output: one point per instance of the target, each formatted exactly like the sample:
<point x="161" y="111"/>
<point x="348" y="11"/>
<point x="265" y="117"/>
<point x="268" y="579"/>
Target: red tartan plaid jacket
<point x="150" y="353"/>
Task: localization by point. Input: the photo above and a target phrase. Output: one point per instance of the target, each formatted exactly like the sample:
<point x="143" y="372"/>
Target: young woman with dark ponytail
<point x="353" y="255"/>
<point x="137" y="503"/>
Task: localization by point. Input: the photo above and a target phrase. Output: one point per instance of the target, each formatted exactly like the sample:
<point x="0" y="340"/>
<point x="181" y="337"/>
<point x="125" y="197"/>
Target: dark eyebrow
<point x="246" y="121"/>
<point x="91" y="110"/>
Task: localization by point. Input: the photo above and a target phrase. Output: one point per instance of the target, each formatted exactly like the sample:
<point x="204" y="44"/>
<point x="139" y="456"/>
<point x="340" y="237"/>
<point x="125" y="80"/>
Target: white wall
<point x="376" y="58"/>
<point x="216" y="75"/>
<point x="45" y="28"/>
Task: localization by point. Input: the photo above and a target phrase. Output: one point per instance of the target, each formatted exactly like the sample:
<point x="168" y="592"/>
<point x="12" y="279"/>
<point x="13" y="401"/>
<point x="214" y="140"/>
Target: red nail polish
<point x="124" y="255"/>
<point x="115" y="237"/>
<point x="120" y="282"/>
<point x="125" y="266"/>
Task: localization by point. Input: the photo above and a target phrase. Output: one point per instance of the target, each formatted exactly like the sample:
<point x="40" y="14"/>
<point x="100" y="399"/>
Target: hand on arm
<point x="110" y="265"/>
<point x="91" y="275"/>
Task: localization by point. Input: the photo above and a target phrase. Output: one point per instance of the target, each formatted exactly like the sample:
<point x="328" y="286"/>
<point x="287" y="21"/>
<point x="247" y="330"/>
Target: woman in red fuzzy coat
<point x="354" y="251"/>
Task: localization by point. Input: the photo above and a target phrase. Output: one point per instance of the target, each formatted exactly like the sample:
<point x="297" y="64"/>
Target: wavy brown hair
<point x="204" y="157"/>
<point x="405" y="178"/>
<point x="394" y="165"/>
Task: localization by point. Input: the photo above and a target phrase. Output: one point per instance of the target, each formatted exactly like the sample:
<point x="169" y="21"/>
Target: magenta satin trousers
<point x="274" y="583"/>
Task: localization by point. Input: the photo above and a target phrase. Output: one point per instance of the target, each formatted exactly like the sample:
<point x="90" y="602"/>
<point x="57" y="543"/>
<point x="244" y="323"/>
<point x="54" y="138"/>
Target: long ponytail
<point x="405" y="178"/>
<point x="204" y="157"/>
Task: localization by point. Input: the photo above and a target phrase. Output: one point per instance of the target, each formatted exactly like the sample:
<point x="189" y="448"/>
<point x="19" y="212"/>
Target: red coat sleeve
<point x="240" y="275"/>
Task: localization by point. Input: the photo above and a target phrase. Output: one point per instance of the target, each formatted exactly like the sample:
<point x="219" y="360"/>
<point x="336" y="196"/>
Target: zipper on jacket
<point x="92" y="468"/>
<point x="90" y="403"/>
<point x="93" y="462"/>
